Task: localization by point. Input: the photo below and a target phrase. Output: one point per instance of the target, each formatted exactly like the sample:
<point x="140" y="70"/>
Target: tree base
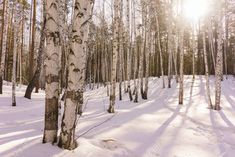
<point x="49" y="136"/>
<point x="67" y="145"/>
<point x="130" y="95"/>
<point x="217" y="108"/>
<point x="111" y="110"/>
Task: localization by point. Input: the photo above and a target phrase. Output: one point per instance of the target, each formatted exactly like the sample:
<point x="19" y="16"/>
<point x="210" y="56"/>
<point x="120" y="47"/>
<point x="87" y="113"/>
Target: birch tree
<point x="219" y="60"/>
<point x="128" y="49"/>
<point x="194" y="47"/>
<point x="114" y="56"/>
<point x="160" y="51"/>
<point x="147" y="47"/>
<point x="169" y="32"/>
<point x="206" y="70"/>
<point x="3" y="41"/>
<point x="181" y="47"/>
<point x="16" y="39"/>
<point x="76" y="73"/>
<point x="52" y="72"/>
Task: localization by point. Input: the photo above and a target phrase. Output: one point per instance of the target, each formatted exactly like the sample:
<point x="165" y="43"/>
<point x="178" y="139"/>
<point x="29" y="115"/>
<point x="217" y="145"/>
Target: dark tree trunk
<point x="36" y="75"/>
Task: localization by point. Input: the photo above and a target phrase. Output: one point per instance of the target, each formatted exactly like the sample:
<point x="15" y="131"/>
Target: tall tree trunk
<point x="212" y="46"/>
<point x="147" y="47"/>
<point x="226" y="38"/>
<point x="194" y="48"/>
<point x="3" y="41"/>
<point x="120" y="51"/>
<point x="22" y="43"/>
<point x="36" y="75"/>
<point x="147" y="52"/>
<point x="169" y="45"/>
<point x="76" y="73"/>
<point x="206" y="70"/>
<point x="114" y="56"/>
<point x="181" y="47"/>
<point x="128" y="49"/>
<point x="52" y="72"/>
<point x="31" y="52"/>
<point x="16" y="40"/>
<point x="219" y="59"/>
<point x="160" y="51"/>
<point x="175" y="56"/>
<point x="142" y="49"/>
<point x="135" y="55"/>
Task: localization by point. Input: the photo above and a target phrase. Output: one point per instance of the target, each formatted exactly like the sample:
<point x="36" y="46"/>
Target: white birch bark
<point x="52" y="69"/>
<point x="128" y="49"/>
<point x="4" y="43"/>
<point x="169" y="44"/>
<point x="114" y="57"/>
<point x="160" y="51"/>
<point x="219" y="60"/>
<point x="147" y="52"/>
<point x="175" y="56"/>
<point x="76" y="73"/>
<point x="16" y="40"/>
<point x="181" y="47"/>
<point x="142" y="47"/>
<point x="120" y="50"/>
<point x="136" y="80"/>
<point x="194" y="49"/>
<point x="212" y="46"/>
<point x="147" y="46"/>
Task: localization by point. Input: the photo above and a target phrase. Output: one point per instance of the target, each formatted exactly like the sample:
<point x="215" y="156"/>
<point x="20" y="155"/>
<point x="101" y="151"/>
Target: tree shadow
<point x="144" y="148"/>
<point x="132" y="111"/>
<point x="221" y="147"/>
<point x="176" y="132"/>
<point x="226" y="120"/>
<point x="228" y="97"/>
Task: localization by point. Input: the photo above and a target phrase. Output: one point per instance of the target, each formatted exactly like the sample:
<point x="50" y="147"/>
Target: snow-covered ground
<point x="151" y="128"/>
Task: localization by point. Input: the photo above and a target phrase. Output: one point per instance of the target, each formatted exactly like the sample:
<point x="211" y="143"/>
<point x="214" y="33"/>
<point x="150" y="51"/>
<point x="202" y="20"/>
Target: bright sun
<point x="195" y="9"/>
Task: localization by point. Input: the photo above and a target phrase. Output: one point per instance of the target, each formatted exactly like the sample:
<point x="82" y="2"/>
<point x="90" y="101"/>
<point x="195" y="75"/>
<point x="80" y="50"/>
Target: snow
<point x="151" y="128"/>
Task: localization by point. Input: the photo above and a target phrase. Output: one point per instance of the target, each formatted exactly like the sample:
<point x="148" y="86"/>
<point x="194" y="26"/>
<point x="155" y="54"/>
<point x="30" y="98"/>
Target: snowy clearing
<point x="152" y="128"/>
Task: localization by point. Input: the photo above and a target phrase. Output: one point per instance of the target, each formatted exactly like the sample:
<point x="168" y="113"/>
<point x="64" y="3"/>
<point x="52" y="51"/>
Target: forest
<point x="117" y="78"/>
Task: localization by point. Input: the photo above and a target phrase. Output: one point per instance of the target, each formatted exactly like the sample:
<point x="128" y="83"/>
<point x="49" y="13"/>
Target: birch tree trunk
<point x="142" y="47"/>
<point x="120" y="50"/>
<point x="169" y="45"/>
<point x="181" y="78"/>
<point x="135" y="55"/>
<point x="194" y="49"/>
<point x="114" y="56"/>
<point x="212" y="46"/>
<point x="160" y="51"/>
<point x="175" y="56"/>
<point x="219" y="59"/>
<point x="3" y="41"/>
<point x="147" y="52"/>
<point x="76" y="73"/>
<point x="52" y="72"/>
<point x="226" y="19"/>
<point x="181" y="47"/>
<point x="16" y="14"/>
<point x="128" y="49"/>
<point x="22" y="44"/>
<point x="147" y="47"/>
<point x="206" y="70"/>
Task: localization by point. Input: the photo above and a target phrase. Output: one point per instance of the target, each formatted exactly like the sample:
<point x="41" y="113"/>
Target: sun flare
<point x="195" y="9"/>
